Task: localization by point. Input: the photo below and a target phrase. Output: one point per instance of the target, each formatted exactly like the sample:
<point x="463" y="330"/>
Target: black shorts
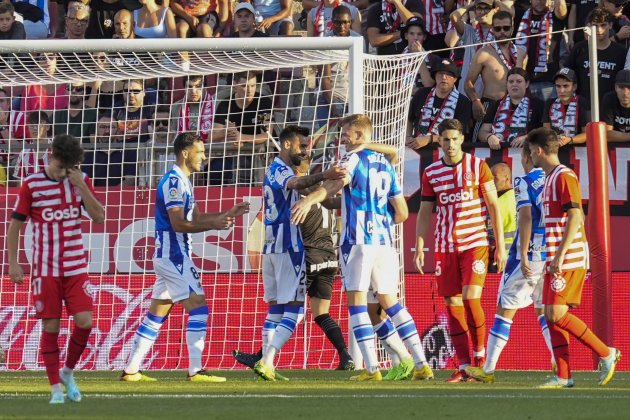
<point x="321" y="271"/>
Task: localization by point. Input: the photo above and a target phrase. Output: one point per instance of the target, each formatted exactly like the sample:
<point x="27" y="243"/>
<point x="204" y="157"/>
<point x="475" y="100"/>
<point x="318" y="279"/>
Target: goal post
<point x="287" y="91"/>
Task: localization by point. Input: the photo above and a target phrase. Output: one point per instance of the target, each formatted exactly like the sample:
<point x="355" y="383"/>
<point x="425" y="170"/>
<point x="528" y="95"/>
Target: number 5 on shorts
<point x="438" y="268"/>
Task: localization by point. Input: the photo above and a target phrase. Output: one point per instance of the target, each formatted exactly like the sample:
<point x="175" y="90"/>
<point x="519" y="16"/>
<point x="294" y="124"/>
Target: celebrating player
<point x="284" y="274"/>
<point x="566" y="261"/>
<point x="464" y="189"/>
<point x="53" y="198"/>
<point x="522" y="281"/>
<point x="177" y="280"/>
<point x="368" y="257"/>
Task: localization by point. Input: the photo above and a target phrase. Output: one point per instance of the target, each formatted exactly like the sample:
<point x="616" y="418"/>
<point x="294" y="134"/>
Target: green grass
<point x="316" y="395"/>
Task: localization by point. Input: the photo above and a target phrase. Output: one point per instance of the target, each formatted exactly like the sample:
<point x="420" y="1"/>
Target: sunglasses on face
<point x="502" y="28"/>
<point x="161" y="122"/>
<point x="78" y="89"/>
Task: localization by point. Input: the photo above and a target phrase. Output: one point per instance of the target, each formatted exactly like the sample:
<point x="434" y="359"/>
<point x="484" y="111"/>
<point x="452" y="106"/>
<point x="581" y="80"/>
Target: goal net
<point x="127" y="101"/>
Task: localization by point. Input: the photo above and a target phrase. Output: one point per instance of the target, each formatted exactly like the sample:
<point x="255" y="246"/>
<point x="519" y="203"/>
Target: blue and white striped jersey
<point x="529" y="193"/>
<point x="280" y="234"/>
<point x="366" y="215"/>
<point x="174" y="190"/>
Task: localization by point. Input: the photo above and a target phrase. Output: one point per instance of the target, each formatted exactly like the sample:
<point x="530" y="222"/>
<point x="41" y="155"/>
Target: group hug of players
<point x="546" y="265"/>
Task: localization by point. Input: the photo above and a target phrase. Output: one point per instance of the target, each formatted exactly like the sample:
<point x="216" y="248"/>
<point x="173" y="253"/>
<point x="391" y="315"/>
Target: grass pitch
<point x="312" y="394"/>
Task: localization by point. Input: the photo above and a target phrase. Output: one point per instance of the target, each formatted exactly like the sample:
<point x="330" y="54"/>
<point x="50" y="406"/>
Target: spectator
<point x="508" y="121"/>
<point x="154" y="21"/>
<point x="102" y="15"/>
<point x="198" y="18"/>
<point x="77" y="19"/>
<point x="616" y="109"/>
<point x="245" y="22"/>
<point x="430" y="106"/>
<point x="274" y="16"/>
<point x="252" y="117"/>
<point x="620" y="30"/>
<point x="9" y="28"/>
<point x="36" y="18"/>
<point x="106" y="94"/>
<point x="543" y="53"/>
<point x="36" y="153"/>
<point x="414" y="34"/>
<point x="124" y="25"/>
<point x="569" y="113"/>
<point x="49" y="97"/>
<point x="384" y="22"/>
<point x="436" y="14"/>
<point x="610" y="57"/>
<point x="78" y="120"/>
<point x="320" y="20"/>
<point x="132" y="120"/>
<point x="11" y="132"/>
<point x="578" y="12"/>
<point x="162" y="132"/>
<point x="108" y="163"/>
<point x="507" y="208"/>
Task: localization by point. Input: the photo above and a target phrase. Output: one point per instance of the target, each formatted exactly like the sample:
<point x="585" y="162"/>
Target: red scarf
<point x="564" y="119"/>
<point x="509" y="64"/>
<point x="320" y="23"/>
<point x="205" y="119"/>
<point x="429" y="120"/>
<point x="479" y="38"/>
<point x="509" y="124"/>
<point x="543" y="42"/>
<point x="391" y="18"/>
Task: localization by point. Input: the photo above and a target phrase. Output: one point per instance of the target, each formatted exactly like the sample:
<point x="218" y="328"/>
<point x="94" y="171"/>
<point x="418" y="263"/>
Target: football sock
<point x="274" y="315"/>
<point x="283" y="332"/>
<point x="143" y="339"/>
<point x="364" y="334"/>
<point x="578" y="329"/>
<point x="332" y="330"/>
<point x="476" y="323"/>
<point x="545" y="332"/>
<point x="408" y="333"/>
<point x="76" y="344"/>
<point x="497" y="339"/>
<point x="391" y="342"/>
<point x="459" y="334"/>
<point x="560" y="343"/>
<point x="196" y="337"/>
<point x="50" y="354"/>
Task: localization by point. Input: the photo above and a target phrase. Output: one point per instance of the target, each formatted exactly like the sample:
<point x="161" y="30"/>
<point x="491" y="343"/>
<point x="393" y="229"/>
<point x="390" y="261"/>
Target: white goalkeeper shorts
<point x="284" y="277"/>
<point x="517" y="291"/>
<point x="365" y="267"/>
<point x="175" y="281"/>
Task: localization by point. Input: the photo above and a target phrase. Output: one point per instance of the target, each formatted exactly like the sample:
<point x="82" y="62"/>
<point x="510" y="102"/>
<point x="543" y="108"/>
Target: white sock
<point x="274" y="315"/>
<point x="408" y="333"/>
<point x="143" y="339"/>
<point x="364" y="334"/>
<point x="283" y="332"/>
<point x="497" y="339"/>
<point x="391" y="341"/>
<point x="55" y="388"/>
<point x="196" y="337"/>
<point x="546" y="335"/>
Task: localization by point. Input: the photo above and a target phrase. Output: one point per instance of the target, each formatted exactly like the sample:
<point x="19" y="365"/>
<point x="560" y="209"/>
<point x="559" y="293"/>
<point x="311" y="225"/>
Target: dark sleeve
<point x="571" y="61"/>
<point x="374" y="17"/>
<point x="464" y="114"/>
<point x="18" y="31"/>
<point x="537" y="107"/>
<point x="220" y="115"/>
<point x="584" y="113"/>
<point x="608" y="108"/>
<point x="491" y="112"/>
<point x="545" y="117"/>
<point x="60" y="125"/>
<point x="417" y="101"/>
<point x="416" y="6"/>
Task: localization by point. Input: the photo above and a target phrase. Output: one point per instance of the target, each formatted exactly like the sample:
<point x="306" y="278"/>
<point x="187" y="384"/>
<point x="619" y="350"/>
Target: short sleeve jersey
<point x="614" y="114"/>
<point x="365" y="209"/>
<point x="562" y="193"/>
<point x="174" y="190"/>
<point x="461" y="210"/>
<point x="280" y="234"/>
<point x="54" y="208"/>
<point x="528" y="192"/>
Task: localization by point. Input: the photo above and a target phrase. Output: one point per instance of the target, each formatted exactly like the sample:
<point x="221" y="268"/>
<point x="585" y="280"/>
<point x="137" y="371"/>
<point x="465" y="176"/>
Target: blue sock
<point x="497" y="339"/>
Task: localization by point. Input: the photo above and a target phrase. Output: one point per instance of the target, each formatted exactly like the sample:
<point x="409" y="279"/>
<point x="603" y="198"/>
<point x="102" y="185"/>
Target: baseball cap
<point x="245" y="6"/>
<point x="623" y="78"/>
<point x="567" y="73"/>
<point x="412" y="21"/>
<point x="488" y="2"/>
<point x="445" y="65"/>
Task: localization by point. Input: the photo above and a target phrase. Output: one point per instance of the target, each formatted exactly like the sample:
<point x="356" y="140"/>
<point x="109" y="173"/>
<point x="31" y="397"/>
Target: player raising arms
<point x="522" y="281"/>
<point x="177" y="280"/>
<point x="368" y="257"/>
<point x="52" y="199"/>
<point x="566" y="261"/>
<point x="463" y="187"/>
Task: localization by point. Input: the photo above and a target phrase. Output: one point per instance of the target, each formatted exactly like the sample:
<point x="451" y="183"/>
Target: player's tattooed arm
<point x="302" y="182"/>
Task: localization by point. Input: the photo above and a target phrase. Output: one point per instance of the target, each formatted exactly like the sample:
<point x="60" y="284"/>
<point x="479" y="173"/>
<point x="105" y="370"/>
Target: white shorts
<point x="517" y="291"/>
<point x="284" y="277"/>
<point x="370" y="266"/>
<point x="174" y="284"/>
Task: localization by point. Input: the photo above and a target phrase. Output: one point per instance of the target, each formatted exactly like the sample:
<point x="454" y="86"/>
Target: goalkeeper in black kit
<point x="321" y="268"/>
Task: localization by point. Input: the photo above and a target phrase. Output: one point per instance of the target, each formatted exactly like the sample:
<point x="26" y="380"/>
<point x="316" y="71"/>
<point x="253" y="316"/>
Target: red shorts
<point x="50" y="292"/>
<point x="564" y="290"/>
<point x="453" y="270"/>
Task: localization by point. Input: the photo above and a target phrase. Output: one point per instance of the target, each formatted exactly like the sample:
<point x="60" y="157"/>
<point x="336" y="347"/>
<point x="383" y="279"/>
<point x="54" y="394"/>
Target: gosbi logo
<point x="456" y="197"/>
<point x="558" y="284"/>
<point x="478" y="267"/>
<point x="50" y="215"/>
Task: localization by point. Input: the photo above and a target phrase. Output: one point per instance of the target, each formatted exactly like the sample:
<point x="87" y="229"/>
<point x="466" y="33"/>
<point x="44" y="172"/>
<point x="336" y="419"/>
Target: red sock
<point x="76" y="345"/>
<point x="49" y="347"/>
<point x="476" y="323"/>
<point x="459" y="333"/>
<point x="579" y="330"/>
<point x="560" y="344"/>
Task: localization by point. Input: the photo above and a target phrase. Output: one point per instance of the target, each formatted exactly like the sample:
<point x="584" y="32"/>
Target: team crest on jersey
<point x="172" y="193"/>
<point x="39" y="306"/>
<point x="468" y="176"/>
<point x="478" y="267"/>
<point x="558" y="284"/>
<point x="88" y="289"/>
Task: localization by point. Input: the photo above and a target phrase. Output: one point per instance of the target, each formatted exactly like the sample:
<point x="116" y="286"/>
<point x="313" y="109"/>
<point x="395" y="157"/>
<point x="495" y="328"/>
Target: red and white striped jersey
<point x="461" y="211"/>
<point x="54" y="208"/>
<point x="14" y="129"/>
<point x="561" y="193"/>
<point x="434" y="11"/>
<point x="30" y="162"/>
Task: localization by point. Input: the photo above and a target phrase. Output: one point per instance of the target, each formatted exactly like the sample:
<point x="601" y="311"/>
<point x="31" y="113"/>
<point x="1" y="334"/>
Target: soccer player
<point x="177" y="279"/>
<point x="566" y="261"/>
<point x="463" y="187"/>
<point x="52" y="199"/>
<point x="522" y="281"/>
<point x="284" y="274"/>
<point x="372" y="202"/>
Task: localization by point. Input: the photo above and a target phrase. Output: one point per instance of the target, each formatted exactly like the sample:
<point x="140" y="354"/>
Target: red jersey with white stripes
<point x="434" y="12"/>
<point x="562" y="193"/>
<point x="461" y="211"/>
<point x="31" y="161"/>
<point x="54" y="208"/>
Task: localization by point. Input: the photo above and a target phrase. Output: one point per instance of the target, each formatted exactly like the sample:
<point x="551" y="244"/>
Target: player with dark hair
<point x="52" y="199"/>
